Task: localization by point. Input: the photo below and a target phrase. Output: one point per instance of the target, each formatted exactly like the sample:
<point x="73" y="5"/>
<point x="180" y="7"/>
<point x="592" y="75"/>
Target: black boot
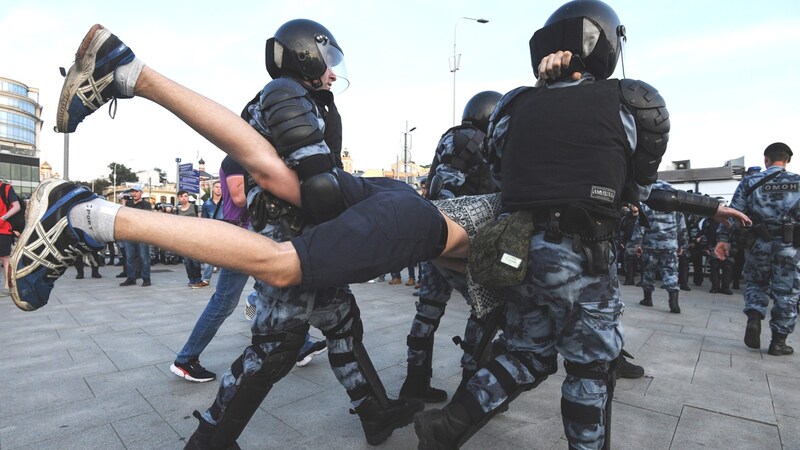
<point x="379" y="422"/>
<point x="630" y="270"/>
<point x="683" y="273"/>
<point x="647" y="300"/>
<point x="201" y="436"/>
<point x="418" y="385"/>
<point x="442" y="429"/>
<point x="752" y="333"/>
<point x="673" y="302"/>
<point x="714" y="264"/>
<point x="778" y="345"/>
<point x="96" y="272"/>
<point x="626" y="369"/>
<point x="725" y="286"/>
<point x="79" y="276"/>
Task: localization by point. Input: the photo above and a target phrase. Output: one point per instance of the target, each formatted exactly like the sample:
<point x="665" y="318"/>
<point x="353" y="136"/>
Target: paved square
<point x="91" y="371"/>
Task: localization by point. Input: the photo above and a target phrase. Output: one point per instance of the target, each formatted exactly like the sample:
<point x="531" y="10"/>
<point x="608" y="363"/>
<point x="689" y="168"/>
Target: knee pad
<point x="588" y="415"/>
<point x="374" y="386"/>
<point x="253" y="388"/>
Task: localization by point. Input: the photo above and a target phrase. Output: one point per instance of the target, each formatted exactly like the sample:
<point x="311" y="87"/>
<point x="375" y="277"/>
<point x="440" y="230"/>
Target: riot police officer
<point x="565" y="164"/>
<point x="458" y="169"/>
<point x="720" y="269"/>
<point x="296" y="113"/>
<point x="771" y="268"/>
<point x="660" y="244"/>
<point x="628" y="224"/>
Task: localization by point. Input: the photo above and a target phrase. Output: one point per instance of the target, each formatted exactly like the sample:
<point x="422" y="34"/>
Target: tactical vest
<point x="566" y="146"/>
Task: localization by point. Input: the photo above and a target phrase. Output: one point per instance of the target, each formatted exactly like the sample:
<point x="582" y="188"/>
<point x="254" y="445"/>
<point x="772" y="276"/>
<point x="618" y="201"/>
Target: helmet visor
<point x="334" y="59"/>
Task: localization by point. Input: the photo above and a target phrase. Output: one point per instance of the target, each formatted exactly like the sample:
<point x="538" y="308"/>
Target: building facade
<point x="20" y="126"/>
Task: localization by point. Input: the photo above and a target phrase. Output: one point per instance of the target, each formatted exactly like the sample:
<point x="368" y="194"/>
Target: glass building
<point x="20" y="125"/>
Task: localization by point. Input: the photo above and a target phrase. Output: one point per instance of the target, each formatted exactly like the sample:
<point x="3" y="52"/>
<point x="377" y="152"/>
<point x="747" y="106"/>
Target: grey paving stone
<point x="66" y="420"/>
<point x="91" y="371"/>
<point x="698" y="428"/>
<point x="147" y="431"/>
<point x="102" y="437"/>
<point x="786" y="395"/>
<point x="132" y="348"/>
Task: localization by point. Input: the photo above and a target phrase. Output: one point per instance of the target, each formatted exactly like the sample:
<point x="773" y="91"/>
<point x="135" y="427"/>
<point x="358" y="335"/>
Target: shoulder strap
<point x="761" y="182"/>
<point x="216" y="210"/>
<point x="4" y="195"/>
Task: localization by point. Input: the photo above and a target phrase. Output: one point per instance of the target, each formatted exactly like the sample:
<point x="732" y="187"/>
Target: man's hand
<point x="638" y="250"/>
<point x="551" y="65"/>
<point x="724" y="213"/>
<point x="721" y="250"/>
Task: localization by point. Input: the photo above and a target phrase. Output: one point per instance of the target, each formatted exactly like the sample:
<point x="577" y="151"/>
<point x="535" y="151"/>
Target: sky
<point x="728" y="70"/>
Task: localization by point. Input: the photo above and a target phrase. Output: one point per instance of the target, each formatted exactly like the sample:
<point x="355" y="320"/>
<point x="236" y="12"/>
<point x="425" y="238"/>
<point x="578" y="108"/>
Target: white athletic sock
<point x="95" y="218"/>
<point x="125" y="77"/>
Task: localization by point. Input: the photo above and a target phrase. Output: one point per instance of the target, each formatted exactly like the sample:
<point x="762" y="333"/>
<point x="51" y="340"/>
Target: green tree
<point x="124" y="174"/>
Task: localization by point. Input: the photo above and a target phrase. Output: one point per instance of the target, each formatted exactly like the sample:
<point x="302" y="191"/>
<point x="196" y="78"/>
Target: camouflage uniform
<point x="558" y="308"/>
<point x="771" y="267"/>
<point x="462" y="170"/>
<point x="279" y="310"/>
<point x="660" y="244"/>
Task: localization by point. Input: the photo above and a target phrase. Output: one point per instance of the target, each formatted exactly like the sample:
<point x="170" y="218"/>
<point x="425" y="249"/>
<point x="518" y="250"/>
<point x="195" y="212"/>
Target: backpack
<point x="17" y="221"/>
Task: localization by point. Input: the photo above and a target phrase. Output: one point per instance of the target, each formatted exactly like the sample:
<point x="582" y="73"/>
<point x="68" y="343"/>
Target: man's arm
<point x="235" y="185"/>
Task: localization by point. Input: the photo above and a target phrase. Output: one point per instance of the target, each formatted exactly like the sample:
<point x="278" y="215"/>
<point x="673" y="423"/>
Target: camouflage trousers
<point x="279" y="310"/>
<point x="437" y="287"/>
<point x="558" y="308"/>
<point x="772" y="271"/>
<point x="664" y="260"/>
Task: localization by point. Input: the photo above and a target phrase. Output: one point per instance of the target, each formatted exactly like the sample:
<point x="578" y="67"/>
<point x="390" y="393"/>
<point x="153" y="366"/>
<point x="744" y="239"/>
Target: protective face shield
<point x="589" y="29"/>
<point x="479" y="108"/>
<point x="304" y="49"/>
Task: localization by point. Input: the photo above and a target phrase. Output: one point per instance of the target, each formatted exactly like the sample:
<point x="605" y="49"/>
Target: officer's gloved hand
<point x="557" y="66"/>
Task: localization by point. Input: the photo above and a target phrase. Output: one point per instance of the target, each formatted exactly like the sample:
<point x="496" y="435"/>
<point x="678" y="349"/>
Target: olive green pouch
<point x="499" y="252"/>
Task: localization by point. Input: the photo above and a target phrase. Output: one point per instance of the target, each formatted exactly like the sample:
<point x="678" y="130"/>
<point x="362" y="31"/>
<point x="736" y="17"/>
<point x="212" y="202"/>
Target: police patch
<point x="788" y="186"/>
<point x="603" y="194"/>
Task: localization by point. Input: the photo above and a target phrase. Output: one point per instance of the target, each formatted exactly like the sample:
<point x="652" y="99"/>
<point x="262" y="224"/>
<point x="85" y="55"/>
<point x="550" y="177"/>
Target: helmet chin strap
<point x="316" y="84"/>
<point x="623" y="39"/>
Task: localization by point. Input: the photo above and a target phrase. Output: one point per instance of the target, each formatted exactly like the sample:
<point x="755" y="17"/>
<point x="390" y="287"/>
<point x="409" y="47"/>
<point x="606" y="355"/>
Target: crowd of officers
<point x="693" y="240"/>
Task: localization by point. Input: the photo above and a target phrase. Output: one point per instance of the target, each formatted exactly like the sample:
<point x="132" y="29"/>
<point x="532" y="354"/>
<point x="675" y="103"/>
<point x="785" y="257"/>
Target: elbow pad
<point x="668" y="201"/>
<point x="652" y="127"/>
<point x="321" y="197"/>
<point x="291" y="116"/>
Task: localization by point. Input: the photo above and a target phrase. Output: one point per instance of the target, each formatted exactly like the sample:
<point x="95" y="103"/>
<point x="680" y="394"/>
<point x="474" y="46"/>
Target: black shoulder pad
<point x="291" y="115"/>
<point x="652" y="127"/>
<point x="506" y="100"/>
<point x="646" y="104"/>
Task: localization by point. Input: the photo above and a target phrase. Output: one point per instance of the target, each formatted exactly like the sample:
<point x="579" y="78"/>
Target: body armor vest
<point x="566" y="146"/>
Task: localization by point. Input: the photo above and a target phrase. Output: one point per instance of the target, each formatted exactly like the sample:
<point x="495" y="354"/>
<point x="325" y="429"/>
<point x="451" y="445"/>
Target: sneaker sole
<point x="185" y="375"/>
<point x="304" y="362"/>
<point x="83" y="68"/>
<point x="33" y="215"/>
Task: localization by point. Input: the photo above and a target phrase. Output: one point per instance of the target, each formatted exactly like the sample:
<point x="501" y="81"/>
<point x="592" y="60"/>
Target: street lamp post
<point x="456" y="60"/>
<point x="405" y="150"/>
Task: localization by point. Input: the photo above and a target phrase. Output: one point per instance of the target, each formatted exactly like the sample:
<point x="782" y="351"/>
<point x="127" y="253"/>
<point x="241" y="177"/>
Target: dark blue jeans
<point x="132" y="249"/>
<point x="229" y="288"/>
<point x="192" y="270"/>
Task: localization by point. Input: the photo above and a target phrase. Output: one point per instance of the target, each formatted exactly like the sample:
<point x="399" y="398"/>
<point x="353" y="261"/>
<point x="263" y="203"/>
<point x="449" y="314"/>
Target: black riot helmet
<point x="479" y="108"/>
<point x="589" y="29"/>
<point x="304" y="49"/>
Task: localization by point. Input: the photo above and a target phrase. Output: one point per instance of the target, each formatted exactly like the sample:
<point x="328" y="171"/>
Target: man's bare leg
<point x="224" y="245"/>
<point x="225" y="129"/>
